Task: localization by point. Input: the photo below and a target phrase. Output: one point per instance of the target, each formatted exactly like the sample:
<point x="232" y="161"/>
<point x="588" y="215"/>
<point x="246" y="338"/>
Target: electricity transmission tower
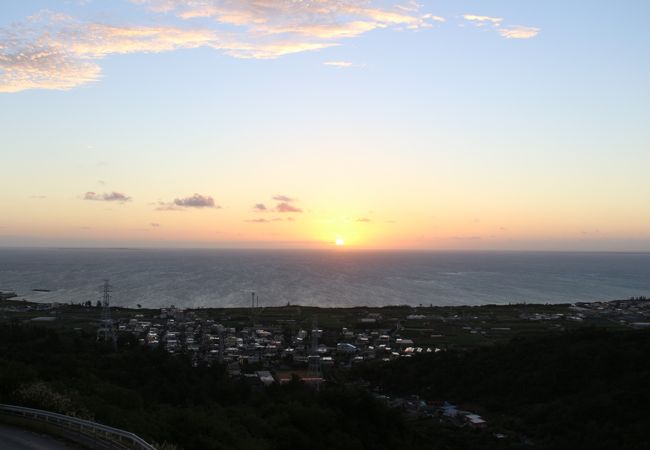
<point x="106" y="331"/>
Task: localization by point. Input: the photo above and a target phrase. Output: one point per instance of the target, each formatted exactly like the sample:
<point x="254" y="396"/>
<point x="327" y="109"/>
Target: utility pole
<point x="314" y="358"/>
<point x="222" y="345"/>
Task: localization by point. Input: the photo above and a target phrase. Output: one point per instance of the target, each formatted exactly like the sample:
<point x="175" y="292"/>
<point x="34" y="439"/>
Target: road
<point x="18" y="439"/>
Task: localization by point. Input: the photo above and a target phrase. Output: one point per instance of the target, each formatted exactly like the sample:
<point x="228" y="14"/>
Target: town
<point x="262" y="346"/>
<point x="282" y="347"/>
<point x="263" y="354"/>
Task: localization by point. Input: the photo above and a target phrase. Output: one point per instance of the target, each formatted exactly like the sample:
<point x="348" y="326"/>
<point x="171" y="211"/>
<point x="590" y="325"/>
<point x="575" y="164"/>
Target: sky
<point x="447" y="124"/>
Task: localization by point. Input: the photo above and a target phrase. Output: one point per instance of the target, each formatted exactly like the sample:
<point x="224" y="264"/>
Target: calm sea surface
<point x="192" y="278"/>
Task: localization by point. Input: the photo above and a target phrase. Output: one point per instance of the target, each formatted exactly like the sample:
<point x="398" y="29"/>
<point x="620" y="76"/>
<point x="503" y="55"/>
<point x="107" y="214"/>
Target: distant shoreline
<point x="641" y="299"/>
<point x="225" y="278"/>
<point x="332" y="248"/>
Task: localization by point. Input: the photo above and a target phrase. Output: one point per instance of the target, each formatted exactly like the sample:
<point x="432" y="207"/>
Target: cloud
<point x="51" y="52"/>
<point x="317" y="19"/>
<point x="519" y="32"/>
<point x="509" y="32"/>
<point x="285" y="207"/>
<point x="31" y="67"/>
<point x="55" y="51"/>
<point x="277" y="219"/>
<point x="341" y="64"/>
<point x="107" y="197"/>
<point x="196" y="201"/>
<point x="283" y="198"/>
<point x="163" y="206"/>
<point x="483" y="20"/>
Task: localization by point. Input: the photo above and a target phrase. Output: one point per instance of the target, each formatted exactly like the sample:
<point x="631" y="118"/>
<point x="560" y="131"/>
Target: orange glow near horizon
<point x="77" y="222"/>
<point x="327" y="143"/>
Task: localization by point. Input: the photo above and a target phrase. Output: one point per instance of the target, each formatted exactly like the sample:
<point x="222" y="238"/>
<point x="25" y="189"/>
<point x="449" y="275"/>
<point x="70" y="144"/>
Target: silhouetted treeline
<point x="588" y="389"/>
<point x="164" y="399"/>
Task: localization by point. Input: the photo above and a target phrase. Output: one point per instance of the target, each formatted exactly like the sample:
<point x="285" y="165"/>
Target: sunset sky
<point x="448" y="124"/>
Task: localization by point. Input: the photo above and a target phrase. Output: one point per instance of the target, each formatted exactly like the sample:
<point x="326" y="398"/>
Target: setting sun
<point x="327" y="193"/>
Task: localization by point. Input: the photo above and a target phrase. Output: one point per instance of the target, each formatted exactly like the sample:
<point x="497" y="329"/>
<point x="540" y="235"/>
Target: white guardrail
<point x="94" y="434"/>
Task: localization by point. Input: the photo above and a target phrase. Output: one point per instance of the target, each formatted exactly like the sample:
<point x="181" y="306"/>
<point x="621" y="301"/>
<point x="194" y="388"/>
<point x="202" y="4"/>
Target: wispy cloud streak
<point x="51" y="50"/>
<point x="342" y="64"/>
<point x="107" y="197"/>
<point x="54" y="51"/>
<point x="519" y="32"/>
<point x="60" y="53"/>
<point x="508" y="32"/>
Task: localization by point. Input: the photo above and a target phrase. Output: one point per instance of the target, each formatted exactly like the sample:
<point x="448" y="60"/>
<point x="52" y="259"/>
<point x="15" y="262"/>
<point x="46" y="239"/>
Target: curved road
<point x="18" y="439"/>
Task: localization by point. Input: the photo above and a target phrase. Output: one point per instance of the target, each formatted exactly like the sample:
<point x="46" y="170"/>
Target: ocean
<point x="332" y="278"/>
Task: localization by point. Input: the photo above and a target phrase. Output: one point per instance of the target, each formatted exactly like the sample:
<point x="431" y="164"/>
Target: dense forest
<point x="164" y="399"/>
<point x="587" y="389"/>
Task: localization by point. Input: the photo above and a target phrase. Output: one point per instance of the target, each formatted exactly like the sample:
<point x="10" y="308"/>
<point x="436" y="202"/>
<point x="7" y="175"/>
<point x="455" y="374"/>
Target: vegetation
<point x="587" y="389"/>
<point x="164" y="399"/>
